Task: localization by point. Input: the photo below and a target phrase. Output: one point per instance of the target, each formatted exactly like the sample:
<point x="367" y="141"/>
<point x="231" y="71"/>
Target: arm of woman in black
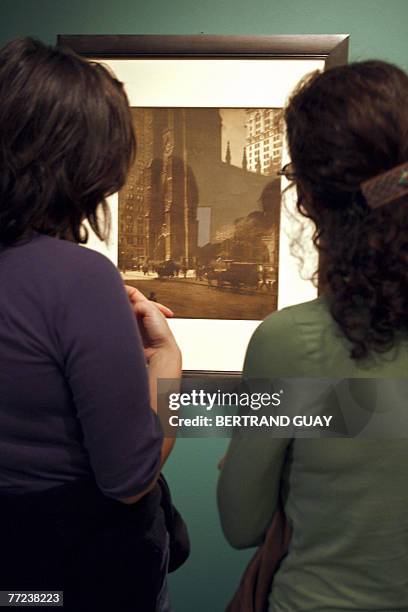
<point x="105" y="367"/>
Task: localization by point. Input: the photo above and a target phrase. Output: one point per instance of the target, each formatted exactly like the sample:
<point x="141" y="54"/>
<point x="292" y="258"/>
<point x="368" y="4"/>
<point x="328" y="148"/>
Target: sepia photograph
<point x="199" y="216"/>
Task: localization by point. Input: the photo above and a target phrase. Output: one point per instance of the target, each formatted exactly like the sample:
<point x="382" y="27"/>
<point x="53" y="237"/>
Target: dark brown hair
<point x="345" y="126"/>
<point x="66" y="141"/>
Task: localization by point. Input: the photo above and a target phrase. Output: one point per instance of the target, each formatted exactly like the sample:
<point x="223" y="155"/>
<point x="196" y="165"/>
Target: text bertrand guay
<point x="251" y="420"/>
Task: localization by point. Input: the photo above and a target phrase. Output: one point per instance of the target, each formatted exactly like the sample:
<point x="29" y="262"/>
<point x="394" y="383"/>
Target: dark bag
<point x="256" y="583"/>
<point x="176" y="527"/>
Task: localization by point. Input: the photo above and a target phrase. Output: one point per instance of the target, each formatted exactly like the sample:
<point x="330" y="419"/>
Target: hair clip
<point x="404" y="178"/>
<point x="386" y="187"/>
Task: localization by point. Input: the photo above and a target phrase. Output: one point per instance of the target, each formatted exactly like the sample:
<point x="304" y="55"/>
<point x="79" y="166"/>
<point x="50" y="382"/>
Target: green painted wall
<point x="378" y="28"/>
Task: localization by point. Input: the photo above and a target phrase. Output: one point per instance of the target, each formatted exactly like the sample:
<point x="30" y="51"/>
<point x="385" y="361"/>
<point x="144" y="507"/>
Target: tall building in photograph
<point x="158" y="205"/>
<point x="264" y="140"/>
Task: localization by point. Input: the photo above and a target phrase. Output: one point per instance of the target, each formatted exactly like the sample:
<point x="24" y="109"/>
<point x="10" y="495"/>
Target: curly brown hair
<point x="66" y="142"/>
<point x="345" y="126"/>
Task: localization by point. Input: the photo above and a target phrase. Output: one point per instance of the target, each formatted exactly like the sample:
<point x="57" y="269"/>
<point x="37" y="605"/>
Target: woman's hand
<point x="154" y="329"/>
<point x="161" y="350"/>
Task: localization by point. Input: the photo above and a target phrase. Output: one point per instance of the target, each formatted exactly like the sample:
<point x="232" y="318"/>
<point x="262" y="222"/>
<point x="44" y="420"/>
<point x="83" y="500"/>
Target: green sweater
<point x="346" y="499"/>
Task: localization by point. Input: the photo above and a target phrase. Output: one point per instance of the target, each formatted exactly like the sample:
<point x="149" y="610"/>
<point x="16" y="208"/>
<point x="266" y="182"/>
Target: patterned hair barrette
<point x="386" y="187"/>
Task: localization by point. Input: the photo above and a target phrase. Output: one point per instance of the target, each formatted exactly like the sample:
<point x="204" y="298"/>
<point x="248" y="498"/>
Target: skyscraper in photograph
<point x="264" y="140"/>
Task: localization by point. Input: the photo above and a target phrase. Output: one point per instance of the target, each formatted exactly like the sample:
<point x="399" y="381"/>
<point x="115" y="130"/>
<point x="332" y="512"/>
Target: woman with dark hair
<point x="345" y="499"/>
<point x="80" y="443"/>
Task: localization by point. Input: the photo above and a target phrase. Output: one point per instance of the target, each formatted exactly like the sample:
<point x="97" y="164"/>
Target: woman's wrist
<point x="164" y="363"/>
<point x="167" y="356"/>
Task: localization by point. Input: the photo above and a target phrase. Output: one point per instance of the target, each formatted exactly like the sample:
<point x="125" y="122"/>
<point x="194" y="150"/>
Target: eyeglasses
<point x="288" y="171"/>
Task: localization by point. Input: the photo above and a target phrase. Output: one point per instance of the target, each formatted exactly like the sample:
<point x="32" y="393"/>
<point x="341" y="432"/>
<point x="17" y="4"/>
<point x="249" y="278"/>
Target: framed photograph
<point x="204" y="223"/>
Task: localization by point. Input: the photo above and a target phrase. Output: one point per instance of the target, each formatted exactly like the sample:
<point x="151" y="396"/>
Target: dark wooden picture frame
<point x="332" y="49"/>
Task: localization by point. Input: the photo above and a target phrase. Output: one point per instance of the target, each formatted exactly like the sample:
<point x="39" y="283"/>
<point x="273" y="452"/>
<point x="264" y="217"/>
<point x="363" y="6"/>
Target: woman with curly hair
<point x="345" y="499"/>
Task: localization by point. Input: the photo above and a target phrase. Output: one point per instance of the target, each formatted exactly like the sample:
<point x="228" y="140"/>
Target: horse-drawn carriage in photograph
<point x="240" y="275"/>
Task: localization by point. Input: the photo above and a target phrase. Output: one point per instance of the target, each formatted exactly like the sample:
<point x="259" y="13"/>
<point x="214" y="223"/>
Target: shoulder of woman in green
<point x="278" y="344"/>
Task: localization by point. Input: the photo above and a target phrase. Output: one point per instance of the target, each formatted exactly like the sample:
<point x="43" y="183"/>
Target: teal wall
<point x="378" y="28"/>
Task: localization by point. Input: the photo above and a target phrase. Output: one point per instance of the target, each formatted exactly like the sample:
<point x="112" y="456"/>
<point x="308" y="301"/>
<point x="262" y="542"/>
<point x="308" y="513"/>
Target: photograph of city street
<point x="199" y="214"/>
